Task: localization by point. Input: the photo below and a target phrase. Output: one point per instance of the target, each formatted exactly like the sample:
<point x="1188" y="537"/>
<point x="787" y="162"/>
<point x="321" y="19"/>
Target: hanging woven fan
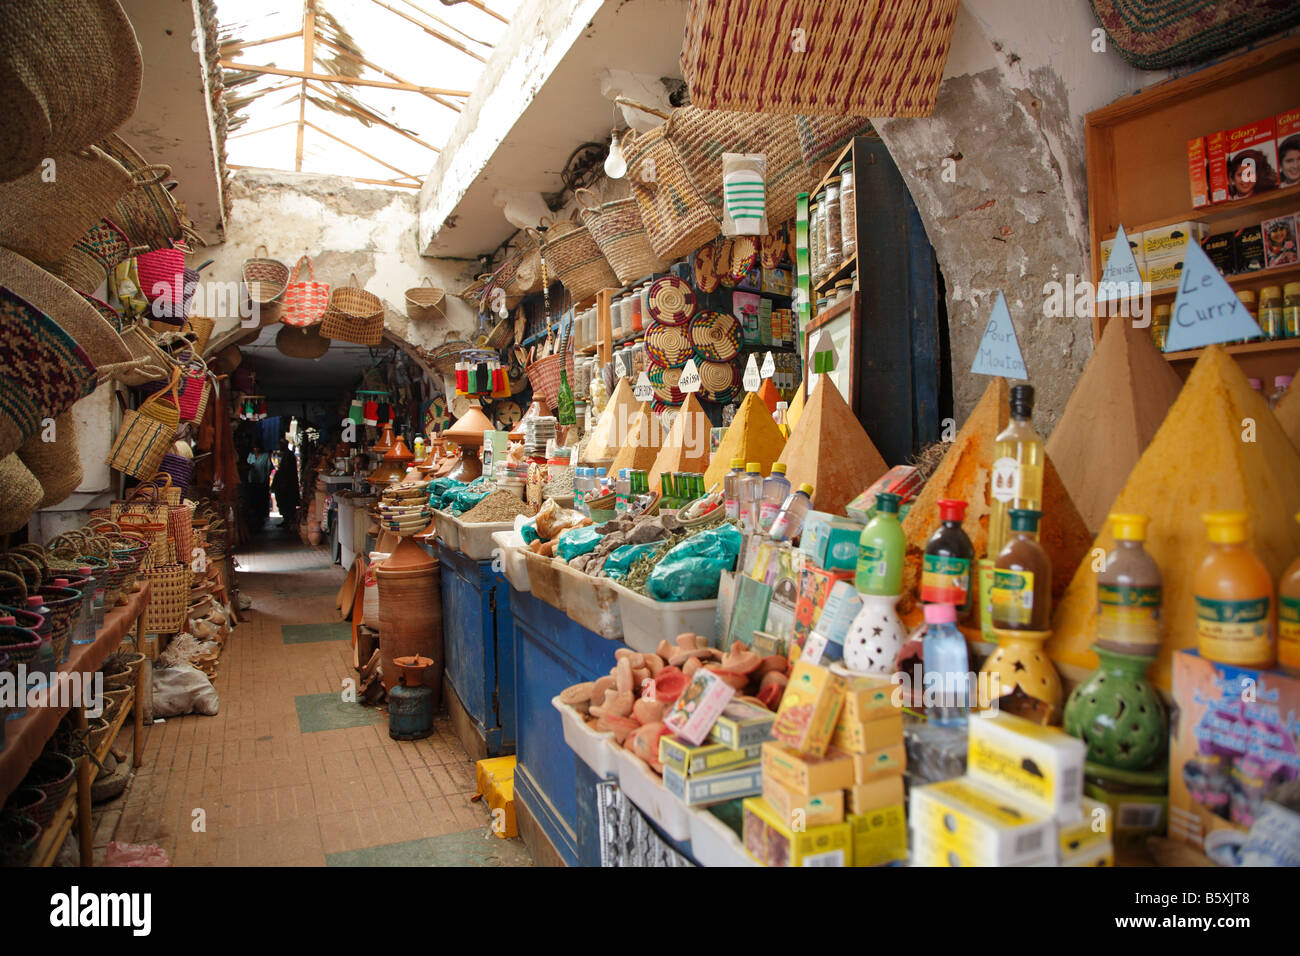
<point x="668" y="345"/>
<point x="744" y="256"/>
<point x="716" y="336"/>
<point x="664" y="382"/>
<point x="507" y="413"/>
<point x="436" y="416"/>
<point x="671" y="300"/>
<point x="720" y="381"/>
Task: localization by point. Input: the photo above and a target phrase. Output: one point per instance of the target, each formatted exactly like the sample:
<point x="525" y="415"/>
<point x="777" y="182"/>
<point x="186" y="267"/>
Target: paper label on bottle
<point x="767" y="514"/>
<point x="1233" y="632"/>
<point x="1128" y="607"/>
<point x="873" y="567"/>
<point x="1013" y="597"/>
<point x="945" y="580"/>
<point x="1288" y="621"/>
<point x="1006" y="479"/>
<point x="731" y="508"/>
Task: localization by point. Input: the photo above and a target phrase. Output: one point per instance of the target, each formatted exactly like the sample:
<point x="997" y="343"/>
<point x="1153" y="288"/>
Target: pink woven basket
<point x="162" y="275"/>
<point x="304" y="302"/>
<point x="544" y="376"/>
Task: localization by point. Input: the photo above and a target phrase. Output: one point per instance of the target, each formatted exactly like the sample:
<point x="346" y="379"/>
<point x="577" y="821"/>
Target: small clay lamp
<point x="468" y="434"/>
<point x="393" y="467"/>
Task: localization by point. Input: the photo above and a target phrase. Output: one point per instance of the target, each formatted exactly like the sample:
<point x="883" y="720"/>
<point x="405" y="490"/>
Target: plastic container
<point x="593" y="747"/>
<point x="513" y="567"/>
<point x="590" y="602"/>
<point x="730" y="492"/>
<point x="448" y="529"/>
<point x="474" y="540"/>
<point x="646" y="621"/>
<point x="645" y="788"/>
<point x="789" y="520"/>
<point x="713" y="843"/>
<point x="749" y="494"/>
<point x="776" y="489"/>
<point x="544" y="579"/>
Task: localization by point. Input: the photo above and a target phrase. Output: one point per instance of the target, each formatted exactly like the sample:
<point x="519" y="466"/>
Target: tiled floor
<point x="288" y="773"/>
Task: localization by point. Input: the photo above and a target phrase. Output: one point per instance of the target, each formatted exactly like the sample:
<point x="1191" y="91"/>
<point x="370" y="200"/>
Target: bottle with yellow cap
<point x="776" y="489"/>
<point x="749" y="494"/>
<point x="730" y="489"/>
<point x="1234" y="596"/>
<point x="788" y="522"/>
<point x="1288" y="618"/>
<point x="1129" y="591"/>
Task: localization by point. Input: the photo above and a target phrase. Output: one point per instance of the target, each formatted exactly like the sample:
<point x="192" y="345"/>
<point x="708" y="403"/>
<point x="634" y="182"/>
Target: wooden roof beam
<point x="345" y="80"/>
<point x="456" y="44"/>
<point x="348" y="54"/>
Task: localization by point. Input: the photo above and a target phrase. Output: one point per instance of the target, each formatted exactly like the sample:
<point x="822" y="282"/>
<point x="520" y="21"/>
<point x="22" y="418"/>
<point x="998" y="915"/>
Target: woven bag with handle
<point x="147" y="433"/>
<point x="304" y="300"/>
<point x="354" y="315"/>
<point x="424" y="301"/>
<point x="265" y="279"/>
<point x="619" y="232"/>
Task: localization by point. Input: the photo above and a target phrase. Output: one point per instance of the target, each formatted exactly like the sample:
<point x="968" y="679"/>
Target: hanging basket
<point x="202" y="327"/>
<point x="20" y="494"/>
<point x="354" y="315"/>
<point x="544" y="376"/>
<point x="304" y="301"/>
<point x="87" y="265"/>
<point x="147" y="214"/>
<point x="146" y="434"/>
<point x="301" y="343"/>
<point x="424" y="301"/>
<point x="265" y="279"/>
<point x="576" y="260"/>
<point x="619" y="232"/>
<point x="55" y="464"/>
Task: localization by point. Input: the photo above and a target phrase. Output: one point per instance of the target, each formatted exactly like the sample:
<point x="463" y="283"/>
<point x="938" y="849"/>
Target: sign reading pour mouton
<point x="999" y="350"/>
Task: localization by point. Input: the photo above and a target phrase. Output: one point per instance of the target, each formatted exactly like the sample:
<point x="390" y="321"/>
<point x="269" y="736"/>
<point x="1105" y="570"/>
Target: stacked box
<point x="809" y="708"/>
<point x="742" y="725"/>
<point x="879" y="837"/>
<point x="962" y="822"/>
<point x="1042" y="766"/>
<point x="770" y="842"/>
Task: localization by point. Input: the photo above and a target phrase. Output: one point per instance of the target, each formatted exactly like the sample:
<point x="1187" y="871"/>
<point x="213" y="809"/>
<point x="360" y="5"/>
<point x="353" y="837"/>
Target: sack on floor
<point x="183" y="689"/>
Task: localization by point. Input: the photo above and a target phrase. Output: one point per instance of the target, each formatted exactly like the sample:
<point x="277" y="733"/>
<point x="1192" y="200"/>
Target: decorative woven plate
<point x="668" y="345"/>
<point x="436" y="416"/>
<point x="507" y="413"/>
<point x="720" y="381"/>
<point x="671" y="300"/>
<point x="716" y="336"/>
<point x="723" y="264"/>
<point x="704" y="268"/>
<point x="744" y="256"/>
<point x="664" y="382"/>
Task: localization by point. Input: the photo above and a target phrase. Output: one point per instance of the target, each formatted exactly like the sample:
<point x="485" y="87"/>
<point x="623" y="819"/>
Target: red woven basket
<point x="162" y="275"/>
<point x="544" y="375"/>
<point x="304" y="301"/>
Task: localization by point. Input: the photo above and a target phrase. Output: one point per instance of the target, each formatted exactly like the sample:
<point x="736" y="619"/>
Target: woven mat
<point x="1157" y="34"/>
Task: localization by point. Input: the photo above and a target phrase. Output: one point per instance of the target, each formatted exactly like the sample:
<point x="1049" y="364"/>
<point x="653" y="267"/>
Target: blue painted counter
<point x="479" y="649"/>
<point x="552" y="653"/>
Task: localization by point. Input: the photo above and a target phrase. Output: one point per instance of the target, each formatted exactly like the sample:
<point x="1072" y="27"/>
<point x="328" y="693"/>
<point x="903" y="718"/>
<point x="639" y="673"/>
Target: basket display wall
<point x="621" y="235"/>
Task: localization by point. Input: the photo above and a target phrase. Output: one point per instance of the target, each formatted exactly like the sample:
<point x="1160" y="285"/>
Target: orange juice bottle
<point x="1288" y="618"/>
<point x="1234" y="596"/>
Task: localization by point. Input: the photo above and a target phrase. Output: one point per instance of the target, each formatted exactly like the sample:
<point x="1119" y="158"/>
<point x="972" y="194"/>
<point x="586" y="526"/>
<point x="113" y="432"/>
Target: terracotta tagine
<point x="468" y="434"/>
<point x="385" y="443"/>
<point x="393" y="467"/>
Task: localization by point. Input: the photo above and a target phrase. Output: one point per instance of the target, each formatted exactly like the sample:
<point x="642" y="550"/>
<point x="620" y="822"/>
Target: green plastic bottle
<point x="881" y="548"/>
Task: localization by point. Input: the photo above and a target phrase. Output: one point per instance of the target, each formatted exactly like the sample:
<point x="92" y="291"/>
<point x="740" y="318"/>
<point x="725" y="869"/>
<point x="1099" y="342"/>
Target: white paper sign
<point x="1206" y="310"/>
<point x="1121" y="278"/>
<point x="999" y="350"/>
<point x="622" y="366"/>
<point x="752" y="379"/>
<point x="769" y="366"/>
<point x="690" y="380"/>
<point x="643" y="390"/>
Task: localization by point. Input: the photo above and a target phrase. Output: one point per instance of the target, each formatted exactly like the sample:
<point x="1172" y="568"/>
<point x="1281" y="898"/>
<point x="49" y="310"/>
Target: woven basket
<point x="857" y="57"/>
<point x="54" y="773"/>
<point x="544" y="376"/>
<point x="424" y="301"/>
<point x="576" y="261"/>
<point x="671" y="300"/>
<point x="152" y="364"/>
<point x="72" y="74"/>
<point x="265" y="279"/>
<point x="716" y="336"/>
<point x="55" y="464"/>
<point x="301" y="343"/>
<point x="20" y="494"/>
<point x="43" y="370"/>
<point x="354" y="315"/>
<point x="619" y="232"/>
<point x="527" y="274"/>
<point x="162" y="549"/>
<point x="146" y="435"/>
<point x="180" y="468"/>
<point x="669" y="346"/>
<point x="180" y="528"/>
<point x="168" y="598"/>
<point x="41" y="217"/>
<point x="664" y="382"/>
<point x="304" y="300"/>
<point x="162" y="276"/>
<point x="148" y="213"/>
<point x="86" y="266"/>
<point x="202" y="327"/>
<point x="677" y="220"/>
<point x="720" y="381"/>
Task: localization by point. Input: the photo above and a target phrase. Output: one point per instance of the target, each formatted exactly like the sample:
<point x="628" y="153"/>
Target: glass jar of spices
<point x="848" y="211"/>
<point x="817" y="239"/>
<point x="1270" y="312"/>
<point x="1160" y="326"/>
<point x="831" y="213"/>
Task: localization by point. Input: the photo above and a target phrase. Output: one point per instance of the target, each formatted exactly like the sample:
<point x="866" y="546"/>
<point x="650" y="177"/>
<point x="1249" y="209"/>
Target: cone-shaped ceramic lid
<point x="407" y="556"/>
<point x="399" y="452"/>
<point x="830" y="450"/>
<point x="469" y="428"/>
<point x="385" y="442"/>
<point x="751" y="436"/>
<point x="687" y="446"/>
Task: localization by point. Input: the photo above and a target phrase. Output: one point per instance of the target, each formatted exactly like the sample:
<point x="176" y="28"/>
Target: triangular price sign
<point x="769" y="366"/>
<point x="752" y="379"/>
<point x="1121" y="278"/>
<point x="824" y="358"/>
<point x="643" y="390"/>
<point x="999" y="351"/>
<point x="622" y="365"/>
<point x="690" y="380"/>
<point x="1206" y="310"/>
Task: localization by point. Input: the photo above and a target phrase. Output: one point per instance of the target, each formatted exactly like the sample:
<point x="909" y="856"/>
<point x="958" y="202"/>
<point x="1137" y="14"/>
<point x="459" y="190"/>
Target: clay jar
<point x="1118" y="714"/>
<point x="875" y="637"/>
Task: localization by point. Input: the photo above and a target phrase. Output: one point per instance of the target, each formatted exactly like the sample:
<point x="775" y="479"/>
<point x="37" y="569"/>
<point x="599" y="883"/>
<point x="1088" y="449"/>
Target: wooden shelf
<point x="831" y="312"/>
<point x="1278" y="275"/>
<point x="847" y="268"/>
<point x="1274" y="202"/>
<point x="1250" y="348"/>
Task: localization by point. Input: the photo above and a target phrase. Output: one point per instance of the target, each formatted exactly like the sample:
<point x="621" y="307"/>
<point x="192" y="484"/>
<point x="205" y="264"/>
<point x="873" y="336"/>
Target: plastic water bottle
<point x="623" y="489"/>
<point x="602" y="480"/>
<point x="776" y="492"/>
<point x="789" y="520"/>
<point x="749" y="493"/>
<point x="947" y="668"/>
<point x="730" y="489"/>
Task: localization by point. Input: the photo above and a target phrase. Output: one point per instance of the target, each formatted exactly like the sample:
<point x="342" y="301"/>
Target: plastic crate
<point x="591" y="602"/>
<point x="593" y="747"/>
<point x="474" y="540"/>
<point x="513" y="565"/>
<point x="544" y="578"/>
<point x="713" y="843"/>
<point x="646" y="789"/>
<point x="646" y="622"/>
<point x="448" y="529"/>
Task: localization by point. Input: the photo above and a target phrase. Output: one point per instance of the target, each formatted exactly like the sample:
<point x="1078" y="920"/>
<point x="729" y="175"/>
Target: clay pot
<point x="741" y="660"/>
<point x="617" y="703"/>
<point x="669" y="684"/>
<point x="648" y="711"/>
<point x="413" y="668"/>
<point x="644" y="743"/>
<point x="730" y="678"/>
<point x="620" y="727"/>
<point x="777" y="663"/>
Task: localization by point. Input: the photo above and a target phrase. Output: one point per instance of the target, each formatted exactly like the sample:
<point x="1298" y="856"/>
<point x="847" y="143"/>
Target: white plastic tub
<point x="591" y="602"/>
<point x="474" y="540"/>
<point x="448" y="531"/>
<point x="595" y="748"/>
<point x="544" y="578"/>
<point x="513" y="565"/>
<point x="713" y="843"/>
<point x="645" y="788"/>
<point x="646" y="622"/>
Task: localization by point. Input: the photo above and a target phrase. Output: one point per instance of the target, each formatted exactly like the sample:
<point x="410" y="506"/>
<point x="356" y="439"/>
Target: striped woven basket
<point x="576" y="260"/>
<point x="265" y="279"/>
<point x="168" y="598"/>
<point x="92" y="257"/>
<point x="664" y="382"/>
<point x="716" y="336"/>
<point x="619" y="232"/>
<point x="148" y="214"/>
<point x="671" y="300"/>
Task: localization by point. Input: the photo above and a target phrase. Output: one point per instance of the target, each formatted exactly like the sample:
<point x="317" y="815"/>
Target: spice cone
<point x="830" y="450"/>
<point x="641" y="443"/>
<point x="687" y="445"/>
<point x="751" y="436"/>
<point x="1288" y="411"/>
<point x="605" y="438"/>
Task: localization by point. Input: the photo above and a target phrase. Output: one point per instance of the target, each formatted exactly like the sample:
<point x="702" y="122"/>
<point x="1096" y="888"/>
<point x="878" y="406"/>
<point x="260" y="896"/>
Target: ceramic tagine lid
<point x="385" y="443"/>
<point x="393" y="466"/>
<point x="469" y="429"/>
<point x="408" y="556"/>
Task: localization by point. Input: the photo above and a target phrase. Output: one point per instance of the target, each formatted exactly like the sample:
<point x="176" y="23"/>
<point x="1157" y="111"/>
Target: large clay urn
<point x="410" y="613"/>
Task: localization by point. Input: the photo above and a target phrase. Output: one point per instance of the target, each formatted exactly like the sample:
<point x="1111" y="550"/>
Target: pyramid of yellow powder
<point x="641" y="442"/>
<point x="1218" y="449"/>
<point x="796" y="407"/>
<point x="964" y="474"/>
<point x="830" y="450"/>
<point x="687" y="446"/>
<point x="1116" y="406"/>
<point x="607" y="437"/>
<point x="1288" y="411"/>
<point x="751" y="436"/>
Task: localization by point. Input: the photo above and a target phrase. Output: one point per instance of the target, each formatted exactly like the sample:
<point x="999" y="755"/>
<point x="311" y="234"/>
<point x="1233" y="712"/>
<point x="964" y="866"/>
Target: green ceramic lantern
<point x="1118" y="714"/>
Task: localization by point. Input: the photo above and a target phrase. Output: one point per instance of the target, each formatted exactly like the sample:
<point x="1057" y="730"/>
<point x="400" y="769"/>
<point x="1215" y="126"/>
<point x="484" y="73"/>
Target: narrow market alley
<point x="288" y="773"/>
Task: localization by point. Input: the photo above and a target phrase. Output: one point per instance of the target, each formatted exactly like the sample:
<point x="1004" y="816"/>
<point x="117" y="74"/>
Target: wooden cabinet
<point x="1138" y="174"/>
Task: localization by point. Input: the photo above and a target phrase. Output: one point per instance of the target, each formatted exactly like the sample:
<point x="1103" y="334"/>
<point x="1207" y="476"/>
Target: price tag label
<point x="643" y="390"/>
<point x="690" y="380"/>
<point x="752" y="379"/>
<point x="769" y="366"/>
<point x="622" y="365"/>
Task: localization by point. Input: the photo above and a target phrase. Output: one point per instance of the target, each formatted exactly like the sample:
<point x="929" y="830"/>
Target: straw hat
<point x="70" y="75"/>
<point x="20" y="494"/>
<point x="55" y="464"/>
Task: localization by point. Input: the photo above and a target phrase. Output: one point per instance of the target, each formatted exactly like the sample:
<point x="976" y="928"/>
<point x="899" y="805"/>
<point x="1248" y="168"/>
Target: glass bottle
<point x="947" y="667"/>
<point x="949" y="554"/>
<point x="565" y="413"/>
<point x="634" y="307"/>
<point x="1280" y="384"/>
<point x="1022" y="581"/>
<point x="776" y="489"/>
<point x="1288" y="618"/>
<point x="881" y="547"/>
<point x="1160" y="327"/>
<point x="1291" y="309"/>
<point x="848" y="211"/>
<point x="1270" y="312"/>
<point x="749" y="495"/>
<point x="1129" y="591"/>
<point x="731" y="489"/>
<point x="1247" y="298"/>
<point x="788" y="522"/>
<point x="817" y="238"/>
<point x="831" y="213"/>
<point x="1234" y="596"/>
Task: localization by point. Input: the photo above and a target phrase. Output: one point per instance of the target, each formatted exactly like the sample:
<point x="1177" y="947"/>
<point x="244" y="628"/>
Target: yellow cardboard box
<point x="1085" y="835"/>
<point x="867" y="698"/>
<point x="806" y="809"/>
<point x="879" y="837"/>
<point x="1042" y="766"/>
<point x="862" y="737"/>
<point x="496" y="784"/>
<point x="806" y="774"/>
<point x="809" y="708"/>
<point x="980" y="825"/>
<point x="879" y="763"/>
<point x="865" y="797"/>
<point x="687" y="758"/>
<point x="769" y="841"/>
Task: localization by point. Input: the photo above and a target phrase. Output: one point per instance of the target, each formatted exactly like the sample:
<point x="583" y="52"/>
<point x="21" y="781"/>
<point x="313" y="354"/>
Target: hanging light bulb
<point x="615" y="164"/>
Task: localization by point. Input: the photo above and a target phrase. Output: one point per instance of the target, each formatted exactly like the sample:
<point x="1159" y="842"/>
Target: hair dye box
<point x="1287" y="132"/>
<point x="1252" y="159"/>
<point x="1198" y="172"/>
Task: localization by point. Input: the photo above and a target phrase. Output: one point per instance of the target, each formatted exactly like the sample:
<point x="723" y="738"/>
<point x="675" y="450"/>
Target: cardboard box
<point x="778" y="281"/>
<point x="690" y="759"/>
<point x="1198" y="172"/>
<point x="865" y="797"/>
<point x="1248" y="248"/>
<point x="826" y="642"/>
<point x="770" y="842"/>
<point x="814" y="590"/>
<point x="902" y="480"/>
<point x="805" y="774"/>
<point x="1287" y="131"/>
<point x="1252" y="147"/>
<point x="1083" y="836"/>
<point x="926" y="852"/>
<point x="1134" y="244"/>
<point x="695" y="712"/>
<point x="1164" y="273"/>
<point x="769" y="645"/>
<point x="1134" y="814"/>
<point x="868" y="698"/>
<point x="1171" y="241"/>
<point x="1040" y="766"/>
<point x="1280" y="247"/>
<point x="808" y="540"/>
<point x="1100" y="855"/>
<point x="1237" y="735"/>
<point x="723" y="785"/>
<point x="984" y="826"/>
<point x="809" y="708"/>
<point x="879" y="837"/>
<point x="742" y="724"/>
<point x="1221" y="250"/>
<point x="879" y="763"/>
<point x="1216" y="158"/>
<point x="862" y="737"/>
<point x="803" y="810"/>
